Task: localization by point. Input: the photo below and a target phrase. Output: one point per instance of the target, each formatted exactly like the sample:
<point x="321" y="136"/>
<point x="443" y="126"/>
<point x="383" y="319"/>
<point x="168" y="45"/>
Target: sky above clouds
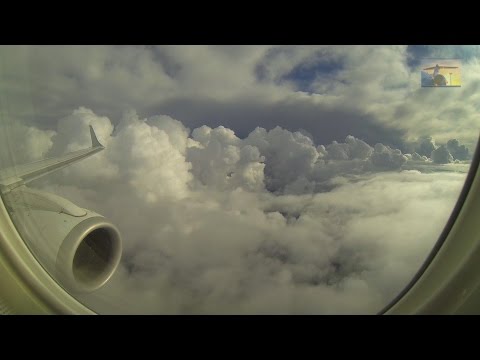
<point x="249" y="179"/>
<point x="329" y="91"/>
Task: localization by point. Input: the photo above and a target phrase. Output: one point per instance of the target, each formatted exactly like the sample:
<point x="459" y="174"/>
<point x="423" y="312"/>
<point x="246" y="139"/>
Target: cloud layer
<point x="372" y="92"/>
<point x="268" y="223"/>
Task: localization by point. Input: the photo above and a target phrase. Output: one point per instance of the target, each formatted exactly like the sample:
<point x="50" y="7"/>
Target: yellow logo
<point x="440" y="73"/>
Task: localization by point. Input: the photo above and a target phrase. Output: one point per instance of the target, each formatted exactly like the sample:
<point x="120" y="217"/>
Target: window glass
<point x="241" y="179"/>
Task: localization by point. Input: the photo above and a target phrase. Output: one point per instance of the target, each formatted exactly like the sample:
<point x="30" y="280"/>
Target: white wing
<point x="16" y="176"/>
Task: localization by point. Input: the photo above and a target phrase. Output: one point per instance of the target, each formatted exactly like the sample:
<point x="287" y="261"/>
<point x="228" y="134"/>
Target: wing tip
<point x="95" y="142"/>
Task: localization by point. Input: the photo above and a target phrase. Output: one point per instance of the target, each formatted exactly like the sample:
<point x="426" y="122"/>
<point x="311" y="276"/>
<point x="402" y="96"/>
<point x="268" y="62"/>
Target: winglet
<point x="95" y="142"/>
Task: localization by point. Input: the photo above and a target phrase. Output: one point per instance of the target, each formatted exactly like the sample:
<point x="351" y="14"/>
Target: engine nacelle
<point x="440" y="80"/>
<point x="78" y="247"/>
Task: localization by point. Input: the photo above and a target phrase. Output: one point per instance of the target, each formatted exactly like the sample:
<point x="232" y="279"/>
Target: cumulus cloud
<point x="352" y="149"/>
<point x="387" y="158"/>
<point x="287" y="155"/>
<point x="459" y="152"/>
<point x="222" y="161"/>
<point x="418" y="157"/>
<point x="425" y="149"/>
<point x="269" y="223"/>
<point x="441" y="155"/>
<point x="148" y="155"/>
<point x="425" y="145"/>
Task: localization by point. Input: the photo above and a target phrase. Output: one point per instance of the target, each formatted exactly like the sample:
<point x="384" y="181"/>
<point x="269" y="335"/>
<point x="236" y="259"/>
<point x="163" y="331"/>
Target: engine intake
<point x="80" y="252"/>
<point x="89" y="255"/>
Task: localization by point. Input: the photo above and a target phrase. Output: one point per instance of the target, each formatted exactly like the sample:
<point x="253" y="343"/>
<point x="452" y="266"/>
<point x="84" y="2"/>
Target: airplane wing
<point x="441" y="67"/>
<point x="15" y="176"/>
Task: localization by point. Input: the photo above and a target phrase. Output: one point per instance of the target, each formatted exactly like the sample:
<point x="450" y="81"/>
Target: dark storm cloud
<point x="324" y="123"/>
<point x="305" y="74"/>
<point x="441" y="155"/>
<point x="458" y="151"/>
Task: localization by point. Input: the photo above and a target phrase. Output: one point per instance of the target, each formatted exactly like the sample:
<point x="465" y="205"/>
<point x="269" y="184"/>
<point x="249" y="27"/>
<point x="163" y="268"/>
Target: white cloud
<point x="148" y="156"/>
<point x="352" y="149"/>
<point x="222" y="161"/>
<point x="346" y="251"/>
<point x="375" y="82"/>
<point x="418" y="157"/>
<point x="385" y="157"/>
<point x="21" y="144"/>
<point x="203" y="235"/>
<point x="287" y="155"/>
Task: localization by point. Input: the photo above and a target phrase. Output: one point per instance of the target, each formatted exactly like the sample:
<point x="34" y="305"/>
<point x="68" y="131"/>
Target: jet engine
<point x="440" y="80"/>
<point x="78" y="247"/>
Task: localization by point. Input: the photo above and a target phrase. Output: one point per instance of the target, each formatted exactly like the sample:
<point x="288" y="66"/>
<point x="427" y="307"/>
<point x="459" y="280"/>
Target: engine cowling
<point x="78" y="247"/>
<point x="440" y="80"/>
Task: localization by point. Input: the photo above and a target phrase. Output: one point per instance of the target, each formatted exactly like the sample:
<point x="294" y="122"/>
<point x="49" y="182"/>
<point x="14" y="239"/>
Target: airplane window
<point x="235" y="179"/>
